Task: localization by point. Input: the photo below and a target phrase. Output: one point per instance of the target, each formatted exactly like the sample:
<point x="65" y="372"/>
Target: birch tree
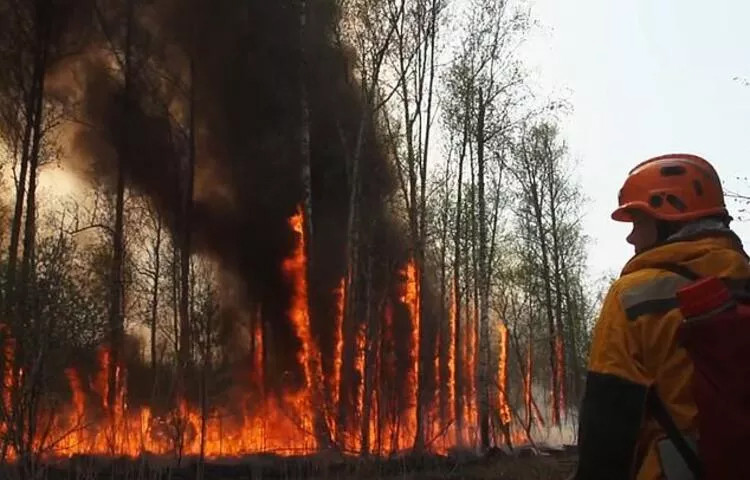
<point x="414" y="69"/>
<point x="549" y="221"/>
<point x="484" y="97"/>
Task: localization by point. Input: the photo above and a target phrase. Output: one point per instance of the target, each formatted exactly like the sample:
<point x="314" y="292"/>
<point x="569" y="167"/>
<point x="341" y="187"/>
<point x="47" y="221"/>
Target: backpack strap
<point x="655" y="404"/>
<point x="659" y="411"/>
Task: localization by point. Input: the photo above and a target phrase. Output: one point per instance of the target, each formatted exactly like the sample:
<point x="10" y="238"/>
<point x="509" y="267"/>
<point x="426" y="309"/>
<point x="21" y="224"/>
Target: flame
<point x="359" y="365"/>
<point x="338" y="341"/>
<point x="560" y="373"/>
<point x="9" y="355"/>
<point x="283" y="423"/>
<point x="470" y="367"/>
<point x="79" y="401"/>
<point x="8" y="382"/>
<point x="101" y="385"/>
<point x="389" y="429"/>
<point x="295" y="267"/>
<point x="258" y="353"/>
<point x="410" y="298"/>
<point x="452" y="356"/>
<point x="527" y="386"/>
<point x="503" y="375"/>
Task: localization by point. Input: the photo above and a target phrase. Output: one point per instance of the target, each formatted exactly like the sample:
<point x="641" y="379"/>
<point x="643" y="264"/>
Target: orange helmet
<point x="676" y="187"/>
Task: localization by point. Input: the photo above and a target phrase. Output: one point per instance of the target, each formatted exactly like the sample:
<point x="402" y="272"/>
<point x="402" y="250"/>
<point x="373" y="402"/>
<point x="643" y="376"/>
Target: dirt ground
<point x="521" y="464"/>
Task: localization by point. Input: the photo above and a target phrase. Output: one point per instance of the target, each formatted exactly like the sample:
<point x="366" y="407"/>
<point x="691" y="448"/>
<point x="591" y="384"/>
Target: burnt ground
<point x="522" y="464"/>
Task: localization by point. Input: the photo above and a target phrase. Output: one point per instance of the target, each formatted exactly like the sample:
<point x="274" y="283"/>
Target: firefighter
<point x="680" y="223"/>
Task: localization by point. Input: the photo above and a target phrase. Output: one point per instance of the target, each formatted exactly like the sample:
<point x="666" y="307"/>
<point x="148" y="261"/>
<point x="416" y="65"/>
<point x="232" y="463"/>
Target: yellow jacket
<point x="634" y="348"/>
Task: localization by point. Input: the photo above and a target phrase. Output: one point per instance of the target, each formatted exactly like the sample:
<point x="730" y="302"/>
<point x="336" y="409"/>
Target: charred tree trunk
<point x="445" y="326"/>
<point x="423" y="353"/>
<point x="116" y="313"/>
<point x="33" y="359"/>
<point x="475" y="297"/>
<point x="351" y="274"/>
<point x="155" y="291"/>
<point x="369" y="367"/>
<point x="322" y="433"/>
<point x="206" y="366"/>
<point x="458" y="385"/>
<point x="573" y="313"/>
<point x="175" y="294"/>
<point x="349" y="330"/>
<point x="304" y="127"/>
<point x="185" y="353"/>
<point x="15" y="232"/>
<point x="34" y="92"/>
<point x="23" y="307"/>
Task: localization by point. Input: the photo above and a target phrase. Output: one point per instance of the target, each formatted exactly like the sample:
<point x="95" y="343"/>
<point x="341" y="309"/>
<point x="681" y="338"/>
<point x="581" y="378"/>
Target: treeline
<point x="407" y="136"/>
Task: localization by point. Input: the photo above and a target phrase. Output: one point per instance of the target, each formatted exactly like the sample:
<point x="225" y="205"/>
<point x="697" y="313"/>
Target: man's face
<point x="644" y="234"/>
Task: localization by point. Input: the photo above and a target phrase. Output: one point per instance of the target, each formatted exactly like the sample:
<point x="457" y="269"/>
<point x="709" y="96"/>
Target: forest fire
<point x="259" y="255"/>
<point x="309" y="355"/>
<point x="90" y="424"/>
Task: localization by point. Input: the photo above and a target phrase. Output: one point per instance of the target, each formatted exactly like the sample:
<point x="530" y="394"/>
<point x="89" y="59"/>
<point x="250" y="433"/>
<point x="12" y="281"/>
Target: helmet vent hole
<point x="655" y="201"/>
<point x="698" y="187"/>
<point x="672" y="170"/>
<point x="676" y="202"/>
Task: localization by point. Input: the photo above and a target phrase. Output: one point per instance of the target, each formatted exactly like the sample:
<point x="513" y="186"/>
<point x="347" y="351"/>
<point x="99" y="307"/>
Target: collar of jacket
<point x="693" y="246"/>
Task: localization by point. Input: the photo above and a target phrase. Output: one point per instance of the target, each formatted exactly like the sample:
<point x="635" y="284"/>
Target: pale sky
<point x="644" y="78"/>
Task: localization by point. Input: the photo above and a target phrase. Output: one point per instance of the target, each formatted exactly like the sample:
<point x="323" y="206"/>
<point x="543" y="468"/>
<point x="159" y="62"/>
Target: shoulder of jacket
<point x="649" y="290"/>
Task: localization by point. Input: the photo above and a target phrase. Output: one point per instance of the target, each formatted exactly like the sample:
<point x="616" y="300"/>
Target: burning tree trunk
<point x="370" y="365"/>
<point x="372" y="45"/>
<point x="425" y="127"/>
<point x="304" y="127"/>
<point x="473" y="286"/>
<point x="416" y="37"/>
<point x="446" y="318"/>
<point x="483" y="277"/>
<point x="116" y="313"/>
<point x="503" y="398"/>
<point x="299" y="313"/>
<point x="206" y="313"/>
<point x="322" y="432"/>
<point x="458" y="352"/>
<point x="346" y="378"/>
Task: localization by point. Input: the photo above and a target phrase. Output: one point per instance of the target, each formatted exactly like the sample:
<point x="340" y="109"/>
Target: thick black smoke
<point x="246" y="65"/>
